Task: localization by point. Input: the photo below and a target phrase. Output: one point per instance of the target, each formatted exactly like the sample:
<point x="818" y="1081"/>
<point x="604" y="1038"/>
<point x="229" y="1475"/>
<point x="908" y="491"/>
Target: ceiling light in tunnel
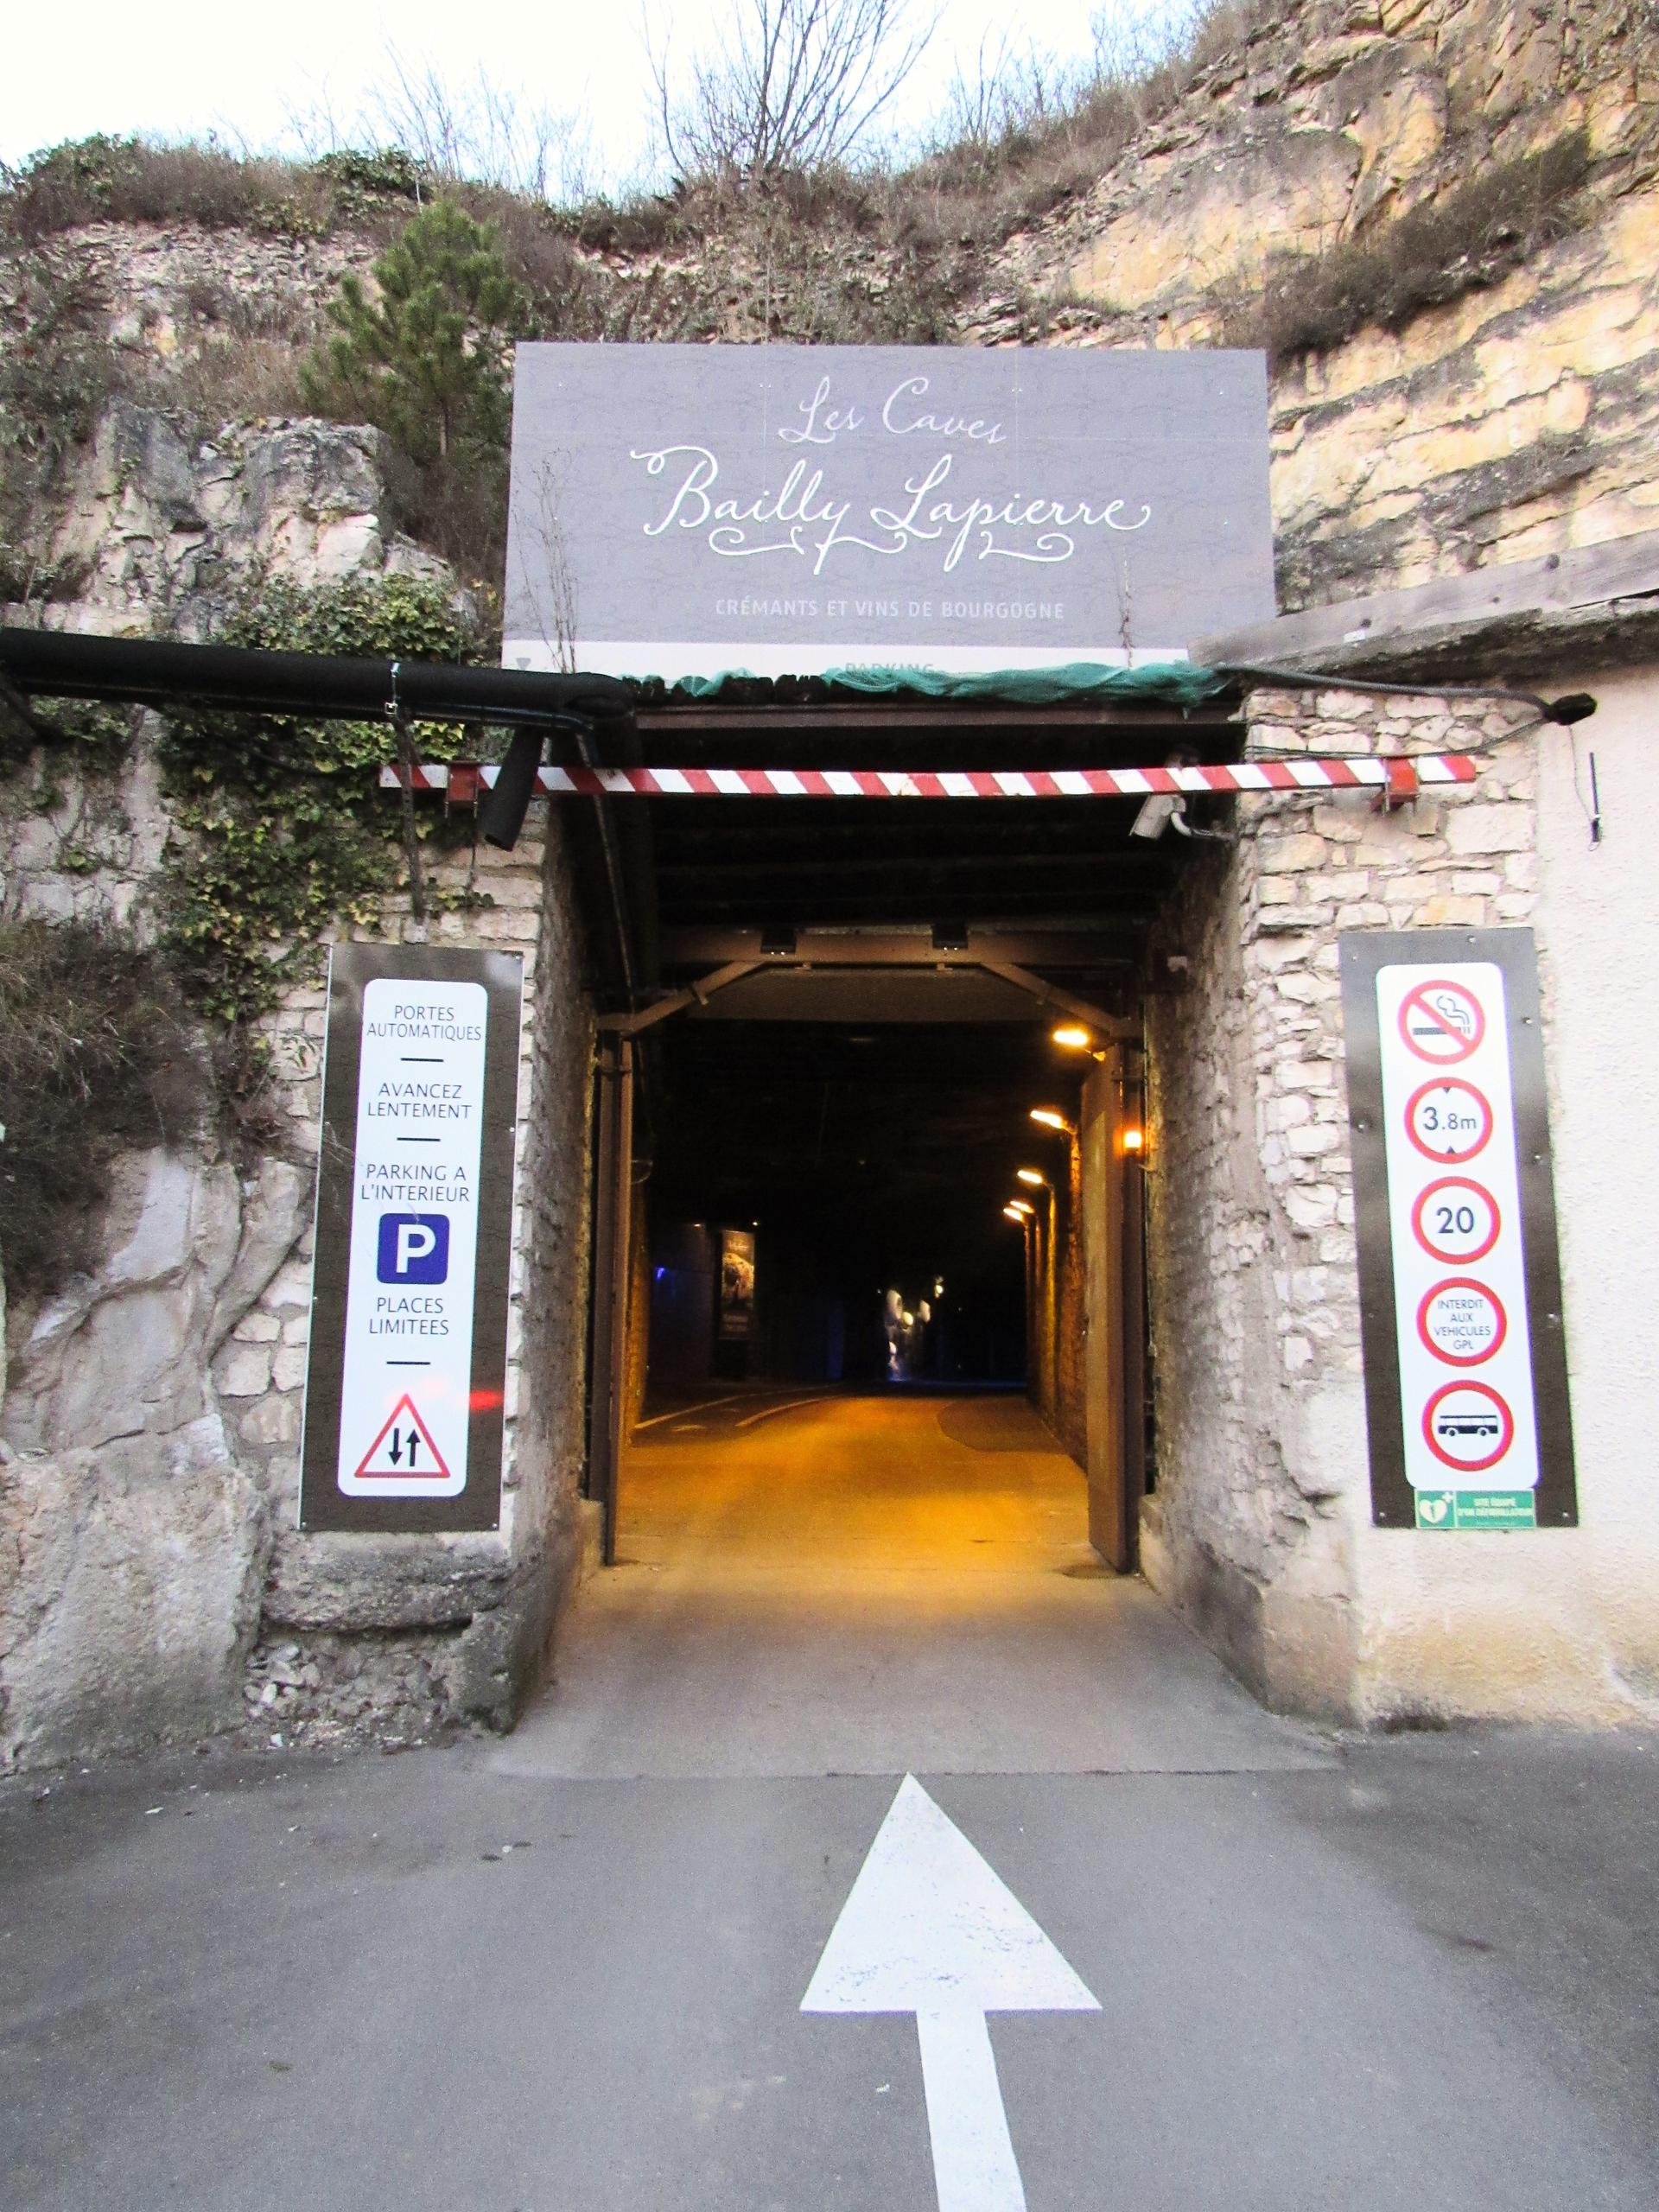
<point x="1051" y="1118"/>
<point x="1014" y="1214"/>
<point x="1030" y="1175"/>
<point x="1135" y="1140"/>
<point x="1021" y="1207"/>
<point x="1073" y="1036"/>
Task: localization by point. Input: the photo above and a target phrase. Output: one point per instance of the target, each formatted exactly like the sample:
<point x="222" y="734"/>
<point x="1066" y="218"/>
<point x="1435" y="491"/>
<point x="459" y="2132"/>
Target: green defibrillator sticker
<point x="1476" y="1508"/>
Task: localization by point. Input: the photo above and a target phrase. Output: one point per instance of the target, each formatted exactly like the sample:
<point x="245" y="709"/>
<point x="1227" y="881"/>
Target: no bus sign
<point x="1466" y="1366"/>
<point x="405" y="1392"/>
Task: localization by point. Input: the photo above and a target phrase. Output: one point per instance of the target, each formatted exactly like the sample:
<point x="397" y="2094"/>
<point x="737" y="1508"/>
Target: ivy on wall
<point x="279" y="826"/>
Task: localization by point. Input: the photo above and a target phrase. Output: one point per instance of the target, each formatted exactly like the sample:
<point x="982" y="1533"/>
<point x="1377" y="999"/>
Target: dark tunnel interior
<point x="861" y="1159"/>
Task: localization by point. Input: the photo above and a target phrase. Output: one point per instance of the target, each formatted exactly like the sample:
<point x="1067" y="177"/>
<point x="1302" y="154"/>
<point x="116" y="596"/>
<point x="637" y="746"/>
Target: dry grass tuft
<point x="1463" y="243"/>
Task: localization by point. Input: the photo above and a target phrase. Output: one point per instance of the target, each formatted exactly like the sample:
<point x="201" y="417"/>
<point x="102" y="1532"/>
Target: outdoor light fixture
<point x="1051" y="1118"/>
<point x="1073" y="1036"/>
<point x="1030" y="1175"/>
<point x="1157" y="813"/>
<point x="1021" y="1207"/>
<point x="1014" y="1214"/>
<point x="1135" y="1140"/>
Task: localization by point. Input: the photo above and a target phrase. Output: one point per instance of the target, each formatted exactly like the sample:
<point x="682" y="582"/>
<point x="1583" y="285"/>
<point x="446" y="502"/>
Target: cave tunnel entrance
<point x="869" y="1295"/>
<point x="816" y="1254"/>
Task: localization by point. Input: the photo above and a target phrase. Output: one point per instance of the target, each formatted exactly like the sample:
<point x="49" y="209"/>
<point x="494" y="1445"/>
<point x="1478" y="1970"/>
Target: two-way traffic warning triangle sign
<point x="404" y="1451"/>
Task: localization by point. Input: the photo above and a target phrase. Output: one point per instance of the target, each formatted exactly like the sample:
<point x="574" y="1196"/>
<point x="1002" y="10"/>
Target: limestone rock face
<point x="165" y="523"/>
<point x="132" y="1545"/>
<point x="118" y="1354"/>
<point x="130" y="1586"/>
<point x="1518" y="419"/>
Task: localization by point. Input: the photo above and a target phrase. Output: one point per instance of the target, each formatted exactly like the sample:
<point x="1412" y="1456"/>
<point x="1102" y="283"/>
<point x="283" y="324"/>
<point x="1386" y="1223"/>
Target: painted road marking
<point x="704" y="1405"/>
<point x="929" y="1929"/>
<point x="790" y="1406"/>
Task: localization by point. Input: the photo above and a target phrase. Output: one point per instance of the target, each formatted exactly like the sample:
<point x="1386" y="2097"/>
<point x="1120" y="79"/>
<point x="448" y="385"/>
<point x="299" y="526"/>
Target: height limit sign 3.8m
<point x="1460" y="1282"/>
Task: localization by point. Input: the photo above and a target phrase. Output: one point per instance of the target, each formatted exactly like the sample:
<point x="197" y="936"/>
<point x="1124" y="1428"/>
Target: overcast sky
<point x="171" y="68"/>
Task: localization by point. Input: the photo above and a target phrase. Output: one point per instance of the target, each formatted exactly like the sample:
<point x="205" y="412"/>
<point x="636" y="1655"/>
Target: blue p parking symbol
<point x="413" y="1247"/>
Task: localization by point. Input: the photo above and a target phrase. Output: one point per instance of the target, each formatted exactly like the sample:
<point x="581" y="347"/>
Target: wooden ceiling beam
<point x="1085" y="947"/>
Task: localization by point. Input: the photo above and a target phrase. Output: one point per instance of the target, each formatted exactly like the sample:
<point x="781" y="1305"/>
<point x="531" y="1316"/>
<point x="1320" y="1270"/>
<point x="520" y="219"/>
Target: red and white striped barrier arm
<point x="1398" y="776"/>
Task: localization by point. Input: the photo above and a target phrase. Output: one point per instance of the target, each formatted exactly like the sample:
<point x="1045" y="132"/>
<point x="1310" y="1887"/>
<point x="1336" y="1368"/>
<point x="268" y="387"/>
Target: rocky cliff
<point x="1441" y="216"/>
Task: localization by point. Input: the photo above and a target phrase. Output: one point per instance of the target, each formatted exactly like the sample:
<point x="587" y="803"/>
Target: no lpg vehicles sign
<point x="1465" y="1369"/>
<point x="403" y="1405"/>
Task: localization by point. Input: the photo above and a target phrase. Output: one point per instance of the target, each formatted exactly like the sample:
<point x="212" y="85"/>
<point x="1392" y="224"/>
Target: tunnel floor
<point x="866" y="1584"/>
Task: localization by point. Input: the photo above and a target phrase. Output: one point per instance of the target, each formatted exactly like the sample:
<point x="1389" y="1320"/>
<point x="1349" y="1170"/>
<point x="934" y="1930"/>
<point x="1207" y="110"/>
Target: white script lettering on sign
<point x="845" y="479"/>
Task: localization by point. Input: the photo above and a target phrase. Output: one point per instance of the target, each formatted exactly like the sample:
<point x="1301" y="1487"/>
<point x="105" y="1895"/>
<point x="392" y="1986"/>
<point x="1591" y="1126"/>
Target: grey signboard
<point x="1459" y="1272"/>
<point x="406" y="1378"/>
<point x="687" y="510"/>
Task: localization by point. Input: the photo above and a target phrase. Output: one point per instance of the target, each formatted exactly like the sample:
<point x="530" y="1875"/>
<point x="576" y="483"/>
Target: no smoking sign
<point x="1442" y="1022"/>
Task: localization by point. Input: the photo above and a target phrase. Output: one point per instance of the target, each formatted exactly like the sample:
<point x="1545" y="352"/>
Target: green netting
<point x="1175" y="682"/>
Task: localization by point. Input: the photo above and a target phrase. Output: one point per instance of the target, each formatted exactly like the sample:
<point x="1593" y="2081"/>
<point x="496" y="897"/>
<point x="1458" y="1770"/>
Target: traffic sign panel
<point x="1468" y="1427"/>
<point x="1449" y="1119"/>
<point x="1446" y="1102"/>
<point x="1442" y="1022"/>
<point x="1455" y="1219"/>
<point x="404" y="1451"/>
<point x="1462" y="1321"/>
<point x="404" y="1386"/>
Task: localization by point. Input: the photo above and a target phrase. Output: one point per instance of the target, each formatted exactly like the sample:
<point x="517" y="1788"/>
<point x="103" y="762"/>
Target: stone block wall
<point x="1259" y="1531"/>
<point x="1057" y="1344"/>
<point x="154" y="1583"/>
<point x="403" y="1634"/>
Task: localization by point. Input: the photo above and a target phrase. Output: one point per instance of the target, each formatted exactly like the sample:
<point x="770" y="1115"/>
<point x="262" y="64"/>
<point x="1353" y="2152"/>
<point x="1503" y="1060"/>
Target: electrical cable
<point x="1572" y="707"/>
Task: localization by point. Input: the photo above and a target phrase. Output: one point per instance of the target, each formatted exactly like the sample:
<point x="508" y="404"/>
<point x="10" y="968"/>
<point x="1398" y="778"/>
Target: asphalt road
<point x="1413" y="1972"/>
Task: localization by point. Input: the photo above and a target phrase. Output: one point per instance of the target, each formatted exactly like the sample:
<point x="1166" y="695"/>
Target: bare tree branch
<point x="790" y="84"/>
<point x="476" y="132"/>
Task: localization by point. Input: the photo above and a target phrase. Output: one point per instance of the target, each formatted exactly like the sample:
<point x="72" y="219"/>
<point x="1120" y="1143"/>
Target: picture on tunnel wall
<point x="736" y="1284"/>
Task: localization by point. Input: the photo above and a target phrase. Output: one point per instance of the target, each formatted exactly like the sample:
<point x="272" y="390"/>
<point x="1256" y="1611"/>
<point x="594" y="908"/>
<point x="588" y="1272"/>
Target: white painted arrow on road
<point x="929" y="1929"/>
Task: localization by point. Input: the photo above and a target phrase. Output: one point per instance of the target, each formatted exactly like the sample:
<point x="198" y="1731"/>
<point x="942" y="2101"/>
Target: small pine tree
<point x="427" y="361"/>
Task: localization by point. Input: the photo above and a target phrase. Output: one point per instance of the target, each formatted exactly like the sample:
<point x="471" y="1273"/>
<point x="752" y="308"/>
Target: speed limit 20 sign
<point x="1466" y="1368"/>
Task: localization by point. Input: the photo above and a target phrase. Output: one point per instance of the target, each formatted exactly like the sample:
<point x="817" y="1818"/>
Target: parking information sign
<point x="404" y="1400"/>
<point x="1460" y="1276"/>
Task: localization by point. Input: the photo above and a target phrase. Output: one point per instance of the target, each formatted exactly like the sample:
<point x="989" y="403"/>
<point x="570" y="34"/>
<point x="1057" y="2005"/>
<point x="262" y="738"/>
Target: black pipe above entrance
<point x="153" y="672"/>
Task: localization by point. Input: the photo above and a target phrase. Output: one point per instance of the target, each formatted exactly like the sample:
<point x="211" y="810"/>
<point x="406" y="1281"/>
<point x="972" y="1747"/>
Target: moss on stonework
<point x="279" y="827"/>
